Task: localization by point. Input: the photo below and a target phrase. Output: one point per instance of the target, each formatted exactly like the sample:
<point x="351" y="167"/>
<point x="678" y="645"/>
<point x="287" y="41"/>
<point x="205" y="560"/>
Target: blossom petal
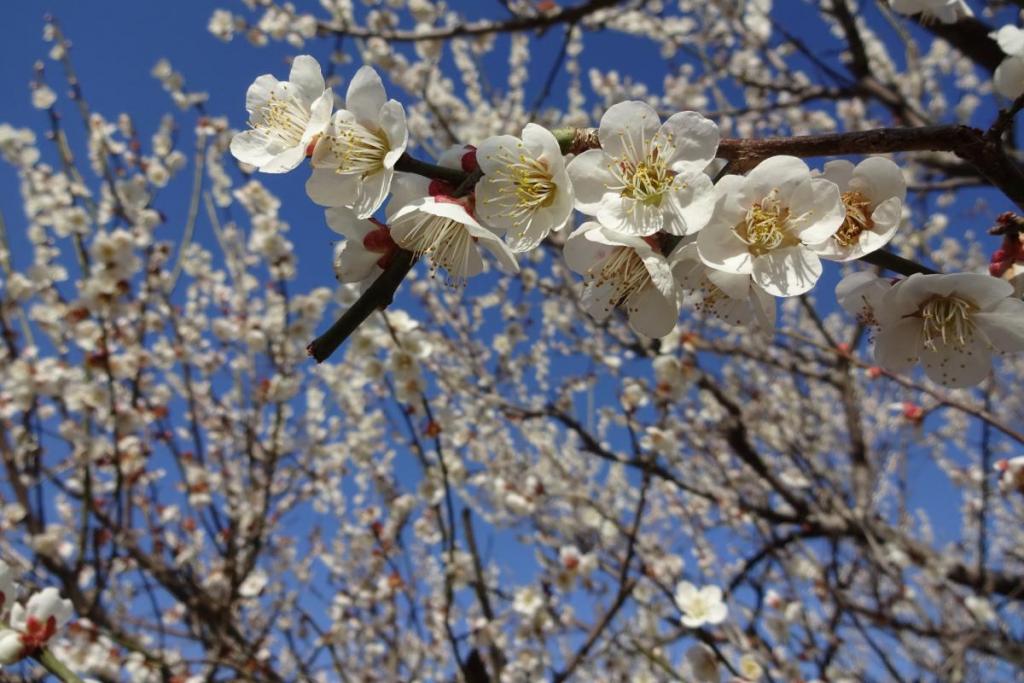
<point x="345" y="222"/>
<point x="395" y="127"/>
<point x="817" y="210"/>
<point x="630" y="216"/>
<point x="691" y="140"/>
<point x="1010" y="39"/>
<point x="879" y="179"/>
<point x="489" y="241"/>
<point x="251" y="147"/>
<point x="788" y="271"/>
<point x="1008" y="78"/>
<point x="720" y="248"/>
<point x="366" y="95"/>
<point x="627" y="129"/>
<point x="307" y="77"/>
<point x="839" y="171"/>
<point x="319" y="116"/>
<point x="957" y="367"/>
<point x="371" y="191"/>
<point x="590" y="180"/>
<point x="542" y="144"/>
<point x="784" y="173"/>
<point x="490" y="154"/>
<point x="597" y="299"/>
<point x="651" y="313"/>
<point x="257" y="96"/>
<point x="353" y="263"/>
<point x="285" y="160"/>
<point x="689" y="205"/>
<point x="1003" y="325"/>
<point x="327" y="188"/>
<point x="898" y="345"/>
<point x="581" y="252"/>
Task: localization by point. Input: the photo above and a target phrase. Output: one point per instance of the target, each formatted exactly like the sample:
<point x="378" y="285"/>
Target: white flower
<point x="860" y="294"/>
<point x="43" y="97"/>
<point x="1011" y="473"/>
<point x="952" y="323"/>
<point x="528" y="602"/>
<point x="765" y="222"/>
<point x="525" y="189"/>
<point x="980" y="609"/>
<point x="443" y="228"/>
<point x="354" y="162"/>
<point x="703" y="663"/>
<point x="285" y="117"/>
<point x="730" y="297"/>
<point x="1008" y="78"/>
<point x="750" y="668"/>
<point x="699" y="607"/>
<point x="647" y="177"/>
<point x="873" y="193"/>
<point x="946" y="11"/>
<point x="626" y="271"/>
<point x="32" y="626"/>
<point x="367" y="249"/>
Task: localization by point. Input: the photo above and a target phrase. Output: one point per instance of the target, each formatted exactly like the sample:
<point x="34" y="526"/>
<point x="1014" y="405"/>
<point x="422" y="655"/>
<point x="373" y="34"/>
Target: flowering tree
<point x="709" y="381"/>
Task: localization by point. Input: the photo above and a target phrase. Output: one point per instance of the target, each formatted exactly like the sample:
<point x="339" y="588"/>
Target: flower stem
<point x="56" y="667"/>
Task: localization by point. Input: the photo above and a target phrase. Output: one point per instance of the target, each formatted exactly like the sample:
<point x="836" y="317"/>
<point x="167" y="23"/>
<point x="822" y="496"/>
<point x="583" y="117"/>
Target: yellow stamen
<point x="858" y="219"/>
<point x="947" y="319"/>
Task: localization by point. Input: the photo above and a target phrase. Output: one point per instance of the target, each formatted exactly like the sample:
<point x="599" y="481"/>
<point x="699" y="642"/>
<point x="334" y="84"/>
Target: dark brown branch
<point x="970" y="37"/>
<point x="569" y="15"/>
<point x="379" y="295"/>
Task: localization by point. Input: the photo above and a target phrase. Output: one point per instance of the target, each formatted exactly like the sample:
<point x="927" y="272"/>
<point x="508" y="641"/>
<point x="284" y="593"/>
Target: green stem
<point x="56" y="667"/>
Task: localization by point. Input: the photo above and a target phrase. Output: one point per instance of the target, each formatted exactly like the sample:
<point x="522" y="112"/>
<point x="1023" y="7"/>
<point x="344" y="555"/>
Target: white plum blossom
<point x="1011" y="473"/>
<point x="648" y="176"/>
<point x="624" y="271"/>
<point x="731" y="297"/>
<point x="32" y="626"/>
<point x="873" y="193"/>
<point x="528" y="602"/>
<point x="354" y="161"/>
<point x="1008" y="78"/>
<point x="367" y="248"/>
<point x="750" y="668"/>
<point x="765" y="223"/>
<point x="700" y="606"/>
<point x="952" y="323"/>
<point x="285" y="117"/>
<point x="442" y="227"/>
<point x="860" y="294"/>
<point x="946" y="11"/>
<point x="525" y="189"/>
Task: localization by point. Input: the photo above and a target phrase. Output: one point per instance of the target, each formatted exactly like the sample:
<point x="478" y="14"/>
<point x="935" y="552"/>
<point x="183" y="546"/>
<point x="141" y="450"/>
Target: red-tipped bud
<point x="469" y="160"/>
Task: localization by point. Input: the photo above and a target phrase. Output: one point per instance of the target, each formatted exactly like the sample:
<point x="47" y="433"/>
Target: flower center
<point x="447" y="242"/>
<point x="625" y="271"/>
<point x="647" y="180"/>
<point x="764" y="228"/>
<point x="947" y="319"/>
<point x="858" y="219"/>
<point x="526" y="185"/>
<point x="285" y="119"/>
<point x="357" y="149"/>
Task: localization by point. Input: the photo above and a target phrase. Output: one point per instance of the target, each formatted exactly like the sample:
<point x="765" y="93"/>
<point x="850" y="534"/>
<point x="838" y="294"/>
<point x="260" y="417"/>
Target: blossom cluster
<point x="25" y="628"/>
<point x="661" y="232"/>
